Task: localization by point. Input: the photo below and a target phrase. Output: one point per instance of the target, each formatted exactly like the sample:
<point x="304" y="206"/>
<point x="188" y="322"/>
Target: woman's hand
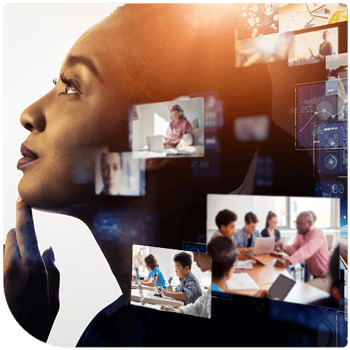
<point x="31" y="282"/>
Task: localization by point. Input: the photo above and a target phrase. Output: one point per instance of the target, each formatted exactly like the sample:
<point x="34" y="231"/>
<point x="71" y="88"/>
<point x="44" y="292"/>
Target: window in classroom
<point x="281" y="206"/>
<point x="322" y="207"/>
<point x="139" y="252"/>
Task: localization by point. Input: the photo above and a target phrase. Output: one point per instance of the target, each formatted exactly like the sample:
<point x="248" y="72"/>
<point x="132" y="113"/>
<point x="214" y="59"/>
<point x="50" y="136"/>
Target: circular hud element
<point x="331" y="162"/>
<point x="332" y="143"/>
<point x="324" y="110"/>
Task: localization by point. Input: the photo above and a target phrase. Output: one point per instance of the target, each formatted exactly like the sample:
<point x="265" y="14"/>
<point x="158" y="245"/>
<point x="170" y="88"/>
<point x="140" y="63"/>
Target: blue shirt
<point x="160" y="277"/>
<point x="241" y="238"/>
<point x="215" y="288"/>
<point x="190" y="286"/>
<point x="265" y="233"/>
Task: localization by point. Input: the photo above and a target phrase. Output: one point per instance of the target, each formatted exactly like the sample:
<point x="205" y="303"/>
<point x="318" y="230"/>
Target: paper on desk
<point x="241" y="281"/>
<point x="244" y="264"/>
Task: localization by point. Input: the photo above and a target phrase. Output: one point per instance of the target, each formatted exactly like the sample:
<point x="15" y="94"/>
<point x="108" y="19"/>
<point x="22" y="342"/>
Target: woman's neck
<point x="116" y="224"/>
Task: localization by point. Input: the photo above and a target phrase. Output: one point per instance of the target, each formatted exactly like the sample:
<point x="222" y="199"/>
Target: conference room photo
<point x="281" y="248"/>
<point x="171" y="280"/>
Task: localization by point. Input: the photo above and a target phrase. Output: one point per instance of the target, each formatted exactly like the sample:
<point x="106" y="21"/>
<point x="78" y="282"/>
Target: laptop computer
<point x="155" y="143"/>
<point x="263" y="245"/>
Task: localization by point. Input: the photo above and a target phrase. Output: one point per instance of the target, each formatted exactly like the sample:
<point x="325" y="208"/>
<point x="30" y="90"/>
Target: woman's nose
<point x="33" y="117"/>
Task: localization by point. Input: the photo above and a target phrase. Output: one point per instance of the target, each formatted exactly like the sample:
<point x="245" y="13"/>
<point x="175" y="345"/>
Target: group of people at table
<point x="310" y="244"/>
<point x="226" y="246"/>
<point x="309" y="247"/>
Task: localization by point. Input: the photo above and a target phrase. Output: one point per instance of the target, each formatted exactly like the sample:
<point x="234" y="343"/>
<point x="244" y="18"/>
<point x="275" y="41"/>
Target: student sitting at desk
<point x="179" y="126"/>
<point x="309" y="246"/>
<point x="225" y="221"/>
<point x="202" y="306"/>
<point x="154" y="273"/>
<point x="245" y="238"/>
<point x="189" y="289"/>
<point x="224" y="252"/>
<point x="270" y="227"/>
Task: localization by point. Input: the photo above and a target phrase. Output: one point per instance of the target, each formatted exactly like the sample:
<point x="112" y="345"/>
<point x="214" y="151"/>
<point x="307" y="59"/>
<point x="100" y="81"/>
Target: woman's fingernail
<point x="19" y="198"/>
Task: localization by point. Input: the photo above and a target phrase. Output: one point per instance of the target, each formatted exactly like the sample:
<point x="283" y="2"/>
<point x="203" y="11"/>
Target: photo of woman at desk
<point x="179" y="128"/>
<point x="169" y="128"/>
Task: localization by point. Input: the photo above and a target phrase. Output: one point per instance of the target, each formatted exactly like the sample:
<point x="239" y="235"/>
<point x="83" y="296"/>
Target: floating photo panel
<point x="263" y="49"/>
<point x="258" y="19"/>
<point x="313" y="47"/>
<point x="171" y="280"/>
<point x="168" y="129"/>
<point x="118" y="174"/>
<point x="274" y="252"/>
<point x="302" y="16"/>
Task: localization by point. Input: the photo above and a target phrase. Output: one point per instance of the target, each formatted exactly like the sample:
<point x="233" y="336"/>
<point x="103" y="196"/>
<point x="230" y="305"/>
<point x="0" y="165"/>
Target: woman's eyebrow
<point x="74" y="60"/>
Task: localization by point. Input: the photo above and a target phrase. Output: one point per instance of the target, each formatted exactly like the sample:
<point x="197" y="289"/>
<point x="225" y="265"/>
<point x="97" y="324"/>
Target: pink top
<point x="311" y="248"/>
<point x="179" y="128"/>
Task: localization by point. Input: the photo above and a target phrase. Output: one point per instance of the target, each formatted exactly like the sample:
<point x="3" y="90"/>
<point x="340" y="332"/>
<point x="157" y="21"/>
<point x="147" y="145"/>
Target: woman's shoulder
<point x="264" y="232"/>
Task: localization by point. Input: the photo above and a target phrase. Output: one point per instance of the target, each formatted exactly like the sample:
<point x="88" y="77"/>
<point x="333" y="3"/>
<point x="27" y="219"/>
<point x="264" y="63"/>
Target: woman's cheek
<point x="84" y="166"/>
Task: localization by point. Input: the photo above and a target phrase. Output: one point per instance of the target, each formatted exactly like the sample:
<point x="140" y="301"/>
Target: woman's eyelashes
<point x="70" y="86"/>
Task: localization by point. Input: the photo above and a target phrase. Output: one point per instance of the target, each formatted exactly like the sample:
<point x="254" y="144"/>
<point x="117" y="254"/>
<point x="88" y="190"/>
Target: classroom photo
<point x="282" y="248"/>
<point x="171" y="280"/>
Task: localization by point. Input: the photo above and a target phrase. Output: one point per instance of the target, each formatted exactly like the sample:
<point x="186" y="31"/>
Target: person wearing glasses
<point x="310" y="246"/>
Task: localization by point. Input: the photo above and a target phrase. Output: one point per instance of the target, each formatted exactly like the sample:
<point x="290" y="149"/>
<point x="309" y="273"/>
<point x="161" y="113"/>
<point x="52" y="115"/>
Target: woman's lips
<point x="28" y="157"/>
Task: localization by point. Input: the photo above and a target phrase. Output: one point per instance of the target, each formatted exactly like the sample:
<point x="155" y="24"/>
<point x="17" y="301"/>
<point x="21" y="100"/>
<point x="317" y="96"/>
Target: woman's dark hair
<point x="225" y="217"/>
<point x="223" y="253"/>
<point x="184" y="259"/>
<point x="269" y="216"/>
<point x="151" y="261"/>
<point x="250" y="218"/>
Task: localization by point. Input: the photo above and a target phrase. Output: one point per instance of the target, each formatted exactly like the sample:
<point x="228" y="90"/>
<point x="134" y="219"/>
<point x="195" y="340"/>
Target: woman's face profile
<point x="71" y="123"/>
<point x="273" y="222"/>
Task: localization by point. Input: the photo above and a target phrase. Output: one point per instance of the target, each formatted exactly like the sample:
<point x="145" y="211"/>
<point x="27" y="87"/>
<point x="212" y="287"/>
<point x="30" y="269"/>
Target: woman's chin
<point x="53" y="201"/>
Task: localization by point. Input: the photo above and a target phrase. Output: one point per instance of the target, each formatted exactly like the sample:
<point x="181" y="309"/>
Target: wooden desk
<point x="151" y="299"/>
<point x="265" y="276"/>
<point x="144" y="287"/>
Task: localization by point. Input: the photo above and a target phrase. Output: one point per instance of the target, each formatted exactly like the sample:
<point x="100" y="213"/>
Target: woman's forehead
<point x="98" y="44"/>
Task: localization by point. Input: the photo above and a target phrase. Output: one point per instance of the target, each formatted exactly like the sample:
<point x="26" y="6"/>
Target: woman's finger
<point x="11" y="250"/>
<point x="53" y="279"/>
<point x="25" y="233"/>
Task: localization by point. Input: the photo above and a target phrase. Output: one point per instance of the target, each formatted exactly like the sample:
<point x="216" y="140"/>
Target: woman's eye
<point x="70" y="90"/>
<point x="70" y="86"/>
